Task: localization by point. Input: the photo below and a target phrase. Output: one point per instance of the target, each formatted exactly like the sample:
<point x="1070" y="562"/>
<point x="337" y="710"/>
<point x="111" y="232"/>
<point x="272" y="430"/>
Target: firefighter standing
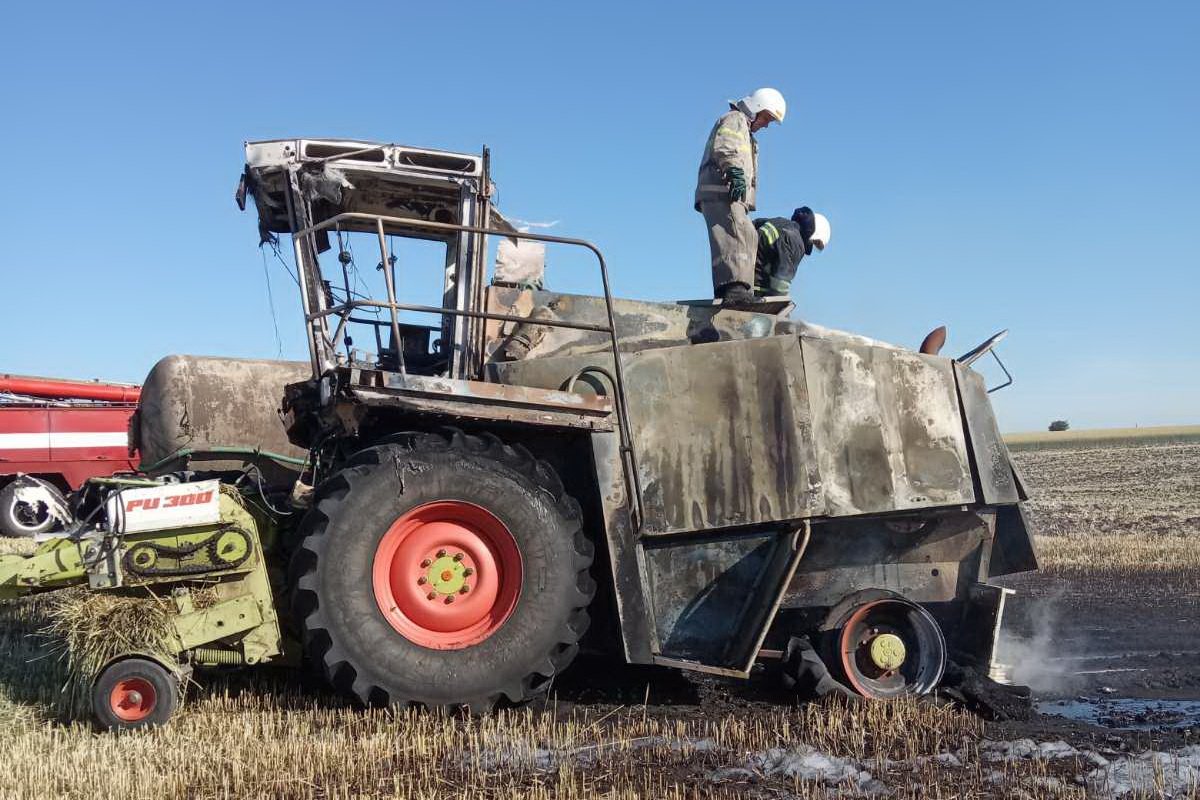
<point x="725" y="190"/>
<point x="782" y="243"/>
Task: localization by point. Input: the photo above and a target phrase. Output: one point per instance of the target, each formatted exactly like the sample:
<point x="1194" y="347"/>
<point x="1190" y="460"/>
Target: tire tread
<point x="319" y="640"/>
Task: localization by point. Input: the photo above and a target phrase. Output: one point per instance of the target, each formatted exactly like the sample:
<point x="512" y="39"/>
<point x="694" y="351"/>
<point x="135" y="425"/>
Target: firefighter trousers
<point x="732" y="240"/>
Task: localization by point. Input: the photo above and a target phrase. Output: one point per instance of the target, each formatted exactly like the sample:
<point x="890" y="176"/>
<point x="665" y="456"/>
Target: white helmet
<point x="821" y="231"/>
<point x="769" y="100"/>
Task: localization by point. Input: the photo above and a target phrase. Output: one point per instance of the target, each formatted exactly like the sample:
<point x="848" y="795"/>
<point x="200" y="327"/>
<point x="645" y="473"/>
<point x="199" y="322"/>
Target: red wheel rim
<point x="447" y="575"/>
<point x="133" y="699"/>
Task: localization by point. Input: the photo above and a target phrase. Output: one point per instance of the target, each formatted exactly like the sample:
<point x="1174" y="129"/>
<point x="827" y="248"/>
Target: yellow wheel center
<point x="887" y="651"/>
<point x="231" y="547"/>
<point x="445" y="575"/>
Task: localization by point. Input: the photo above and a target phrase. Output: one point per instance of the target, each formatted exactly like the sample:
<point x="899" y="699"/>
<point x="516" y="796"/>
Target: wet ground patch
<point x="1126" y="713"/>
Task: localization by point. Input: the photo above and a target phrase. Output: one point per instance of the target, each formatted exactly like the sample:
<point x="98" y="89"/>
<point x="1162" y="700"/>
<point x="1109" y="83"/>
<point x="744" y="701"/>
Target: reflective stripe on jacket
<point x="769" y="232"/>
<point x="730" y="144"/>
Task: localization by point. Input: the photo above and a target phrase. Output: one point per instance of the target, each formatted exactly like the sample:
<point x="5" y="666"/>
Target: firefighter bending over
<point x="782" y="243"/>
<point x="725" y="189"/>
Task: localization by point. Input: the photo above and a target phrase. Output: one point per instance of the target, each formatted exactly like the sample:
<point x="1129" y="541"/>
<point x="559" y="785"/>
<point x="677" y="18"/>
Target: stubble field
<point x="1113" y="615"/>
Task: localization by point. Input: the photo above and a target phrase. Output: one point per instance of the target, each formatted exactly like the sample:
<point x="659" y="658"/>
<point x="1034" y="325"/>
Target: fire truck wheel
<point x="134" y="693"/>
<point x="443" y="571"/>
<point x="21" y="518"/>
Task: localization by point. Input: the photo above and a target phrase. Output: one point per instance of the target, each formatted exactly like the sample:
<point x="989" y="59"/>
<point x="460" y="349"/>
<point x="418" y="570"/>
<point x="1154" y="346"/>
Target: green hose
<point x="186" y="452"/>
<point x="111" y="481"/>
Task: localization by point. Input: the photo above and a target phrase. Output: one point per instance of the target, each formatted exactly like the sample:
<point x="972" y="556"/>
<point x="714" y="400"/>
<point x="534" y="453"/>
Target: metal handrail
<point x="353" y="304"/>
<point x="343" y="311"/>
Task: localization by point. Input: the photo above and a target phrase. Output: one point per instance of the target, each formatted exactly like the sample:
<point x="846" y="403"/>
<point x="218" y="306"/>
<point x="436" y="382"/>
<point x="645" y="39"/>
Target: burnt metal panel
<point x="931" y="564"/>
<point x="643" y="324"/>
<point x="714" y="598"/>
<point x="992" y="462"/>
<point x="640" y="324"/>
<point x="370" y="169"/>
<point x="200" y="402"/>
<point x="975" y="640"/>
<point x="722" y="434"/>
<point x="637" y="627"/>
<point x="698" y="591"/>
<point x="887" y="428"/>
<point x="478" y="400"/>
<point x="721" y="431"/>
<point x="1013" y="549"/>
<point x="1019" y="478"/>
<point x="931" y="582"/>
<point x="554" y="373"/>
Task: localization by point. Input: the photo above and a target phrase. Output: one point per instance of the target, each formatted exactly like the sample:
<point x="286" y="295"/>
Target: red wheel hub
<point x="447" y="574"/>
<point x="133" y="699"/>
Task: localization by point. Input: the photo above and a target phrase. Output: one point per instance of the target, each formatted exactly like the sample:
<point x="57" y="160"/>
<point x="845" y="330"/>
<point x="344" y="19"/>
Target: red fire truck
<point x="58" y="433"/>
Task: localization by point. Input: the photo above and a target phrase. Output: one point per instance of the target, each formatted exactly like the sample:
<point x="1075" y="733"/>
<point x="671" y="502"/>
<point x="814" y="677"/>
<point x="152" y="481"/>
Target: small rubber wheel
<point x="21" y="519"/>
<point x="134" y="693"/>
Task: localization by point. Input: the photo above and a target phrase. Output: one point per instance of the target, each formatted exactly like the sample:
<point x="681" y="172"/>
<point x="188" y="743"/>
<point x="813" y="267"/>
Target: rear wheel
<point x="443" y="570"/>
<point x="889" y="647"/>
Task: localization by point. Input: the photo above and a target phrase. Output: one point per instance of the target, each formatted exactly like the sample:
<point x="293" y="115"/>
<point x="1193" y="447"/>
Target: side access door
<point x="728" y="477"/>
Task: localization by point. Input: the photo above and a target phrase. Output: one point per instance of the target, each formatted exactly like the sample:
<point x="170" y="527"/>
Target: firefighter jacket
<point x="729" y="145"/>
<point x="781" y="246"/>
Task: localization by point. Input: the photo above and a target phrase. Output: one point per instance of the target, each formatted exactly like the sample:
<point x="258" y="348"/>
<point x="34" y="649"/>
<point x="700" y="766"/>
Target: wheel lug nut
<point x="458" y="556"/>
<point x="431" y="596"/>
<point x="449" y="599"/>
<point x="468" y="571"/>
<point x="464" y="590"/>
<point x="426" y="563"/>
<point x="441" y="553"/>
<point x="421" y="581"/>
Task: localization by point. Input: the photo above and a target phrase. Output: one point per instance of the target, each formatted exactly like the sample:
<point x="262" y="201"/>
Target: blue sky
<point x="1031" y="166"/>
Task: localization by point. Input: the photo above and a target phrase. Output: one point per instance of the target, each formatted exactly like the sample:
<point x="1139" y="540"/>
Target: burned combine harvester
<point x="687" y="485"/>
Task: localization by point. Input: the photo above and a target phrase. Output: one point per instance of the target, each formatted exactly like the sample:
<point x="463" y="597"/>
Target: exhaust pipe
<point x="932" y="344"/>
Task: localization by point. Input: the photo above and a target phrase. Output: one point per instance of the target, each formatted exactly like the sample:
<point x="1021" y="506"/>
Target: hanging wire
<point x="279" y="257"/>
<point x="365" y="294"/>
<point x="271" y="305"/>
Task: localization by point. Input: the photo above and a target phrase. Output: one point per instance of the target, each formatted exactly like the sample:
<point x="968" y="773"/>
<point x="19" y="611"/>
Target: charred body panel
<point x="202" y="404"/>
<point x="888" y="429"/>
<point x="992" y="463"/>
<point x="724" y="435"/>
<point x="721" y="431"/>
<point x="779" y="428"/>
<point x="640" y="324"/>
<point x="715" y="597"/>
<point x="925" y="558"/>
<point x="337" y="162"/>
<point x="874" y="437"/>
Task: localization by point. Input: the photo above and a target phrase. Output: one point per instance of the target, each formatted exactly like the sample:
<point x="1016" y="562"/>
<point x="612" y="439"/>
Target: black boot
<point x="737" y="296"/>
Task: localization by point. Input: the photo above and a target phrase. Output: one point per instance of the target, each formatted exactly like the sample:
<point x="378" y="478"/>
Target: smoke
<point x="524" y="225"/>
<point x="1033" y="657"/>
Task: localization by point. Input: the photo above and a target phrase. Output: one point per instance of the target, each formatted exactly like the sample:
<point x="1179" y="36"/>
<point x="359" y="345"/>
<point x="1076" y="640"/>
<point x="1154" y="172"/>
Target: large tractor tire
<point x="445" y="571"/>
